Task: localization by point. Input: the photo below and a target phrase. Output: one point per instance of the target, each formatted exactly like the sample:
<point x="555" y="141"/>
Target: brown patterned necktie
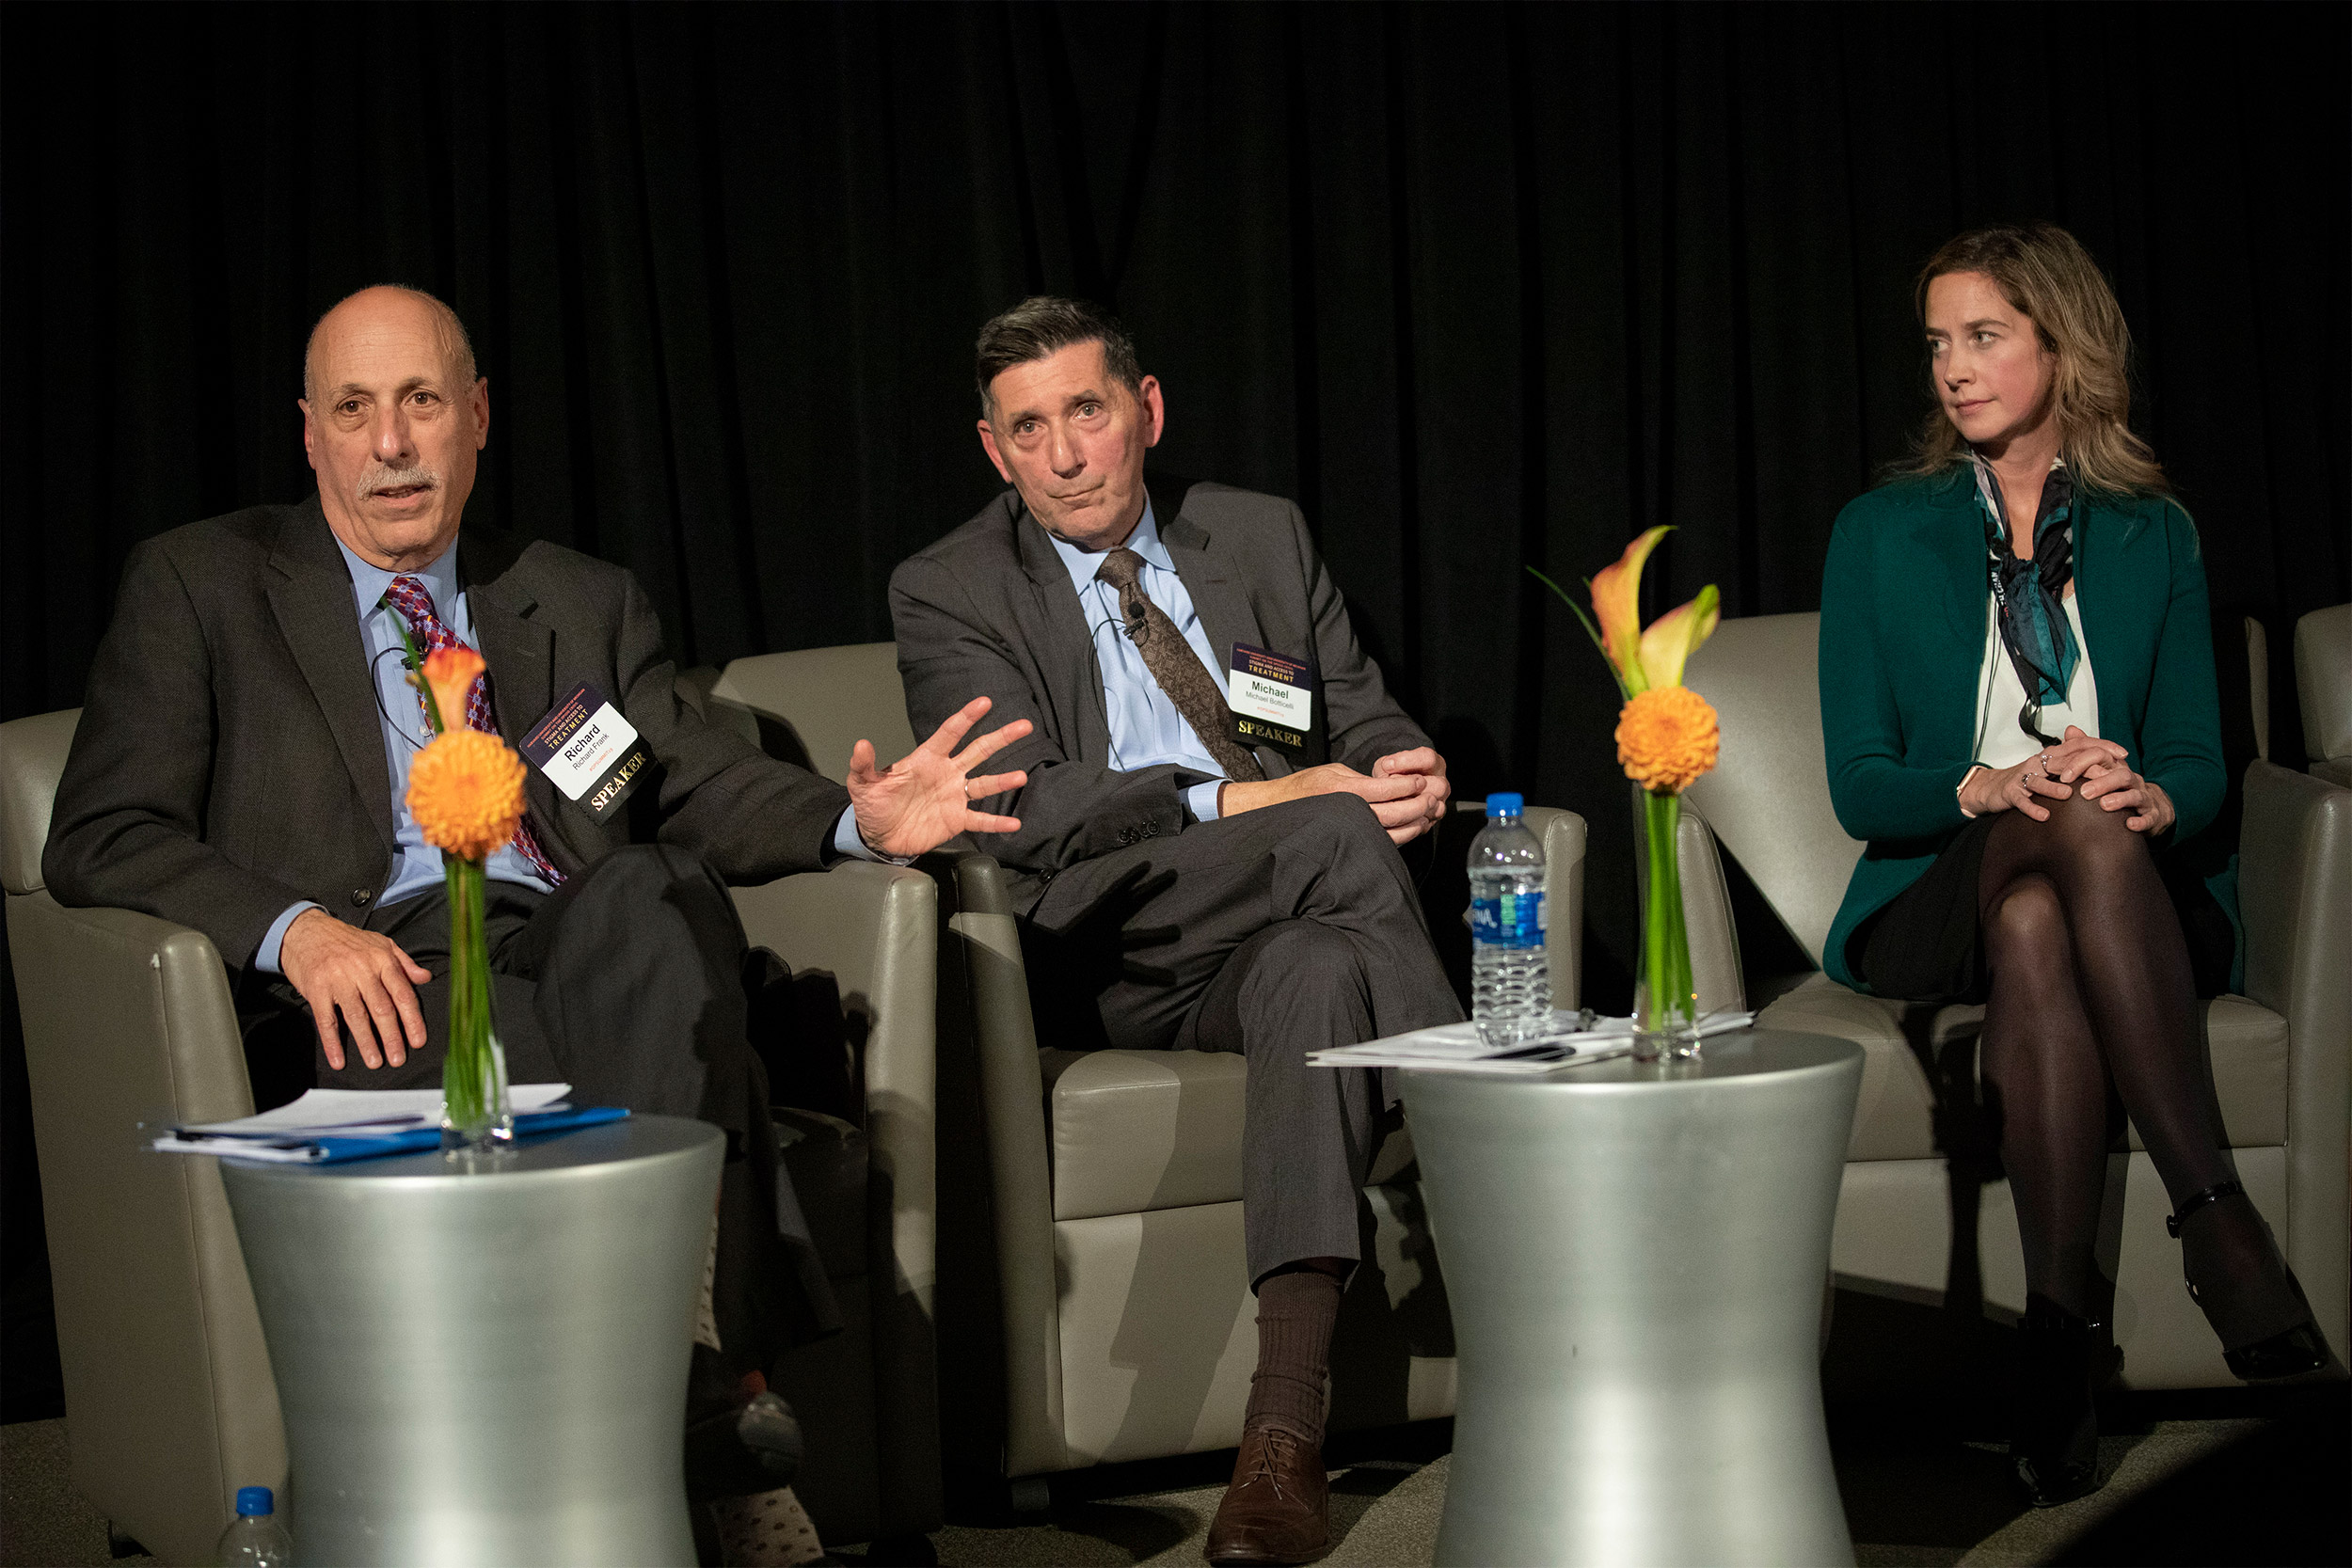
<point x="1173" y="664"/>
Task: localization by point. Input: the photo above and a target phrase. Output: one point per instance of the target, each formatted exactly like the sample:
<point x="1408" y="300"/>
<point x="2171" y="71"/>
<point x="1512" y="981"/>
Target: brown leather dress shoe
<point x="1275" y="1508"/>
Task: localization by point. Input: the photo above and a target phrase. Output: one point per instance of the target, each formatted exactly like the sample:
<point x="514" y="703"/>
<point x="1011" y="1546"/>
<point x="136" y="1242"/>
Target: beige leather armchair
<point x="2323" y="680"/>
<point x="169" y="1401"/>
<point x="1094" y="1299"/>
<point x="2281" y="1055"/>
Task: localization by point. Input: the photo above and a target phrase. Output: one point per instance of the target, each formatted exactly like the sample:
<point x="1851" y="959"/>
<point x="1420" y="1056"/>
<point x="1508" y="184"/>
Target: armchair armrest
<point x="1002" y="1074"/>
<point x="2294" y="892"/>
<point x="875" y="928"/>
<point x="1562" y="834"/>
<point x="1706" y="912"/>
<point x="128" y="1018"/>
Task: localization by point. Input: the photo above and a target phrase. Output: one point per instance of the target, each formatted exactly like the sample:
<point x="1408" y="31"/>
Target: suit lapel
<point x="520" y="652"/>
<point x="1065" y="647"/>
<point x="311" y="597"/>
<point x="1937" y="591"/>
<point x="1953" y="534"/>
<point x="1219" y="595"/>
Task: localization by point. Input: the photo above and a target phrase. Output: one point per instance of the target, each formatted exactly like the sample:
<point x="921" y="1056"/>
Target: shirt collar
<point x="1145" y="542"/>
<point x="370" y="582"/>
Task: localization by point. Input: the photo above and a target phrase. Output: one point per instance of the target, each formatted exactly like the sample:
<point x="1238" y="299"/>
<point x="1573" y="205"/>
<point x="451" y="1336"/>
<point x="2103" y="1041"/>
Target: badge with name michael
<point x="588" y="751"/>
<point x="1273" y="701"/>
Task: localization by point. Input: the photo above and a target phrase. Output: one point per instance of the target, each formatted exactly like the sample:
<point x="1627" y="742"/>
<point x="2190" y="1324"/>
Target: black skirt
<point x="1928" y="944"/>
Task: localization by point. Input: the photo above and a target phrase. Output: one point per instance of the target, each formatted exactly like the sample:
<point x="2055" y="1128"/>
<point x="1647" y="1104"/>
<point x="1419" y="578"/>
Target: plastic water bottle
<point x="1510" y="981"/>
<point x="256" y="1539"/>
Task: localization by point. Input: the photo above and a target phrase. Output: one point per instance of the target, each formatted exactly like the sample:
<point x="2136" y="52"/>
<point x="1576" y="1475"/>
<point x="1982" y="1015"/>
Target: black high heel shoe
<point x="2061" y="1362"/>
<point x="2290" y="1351"/>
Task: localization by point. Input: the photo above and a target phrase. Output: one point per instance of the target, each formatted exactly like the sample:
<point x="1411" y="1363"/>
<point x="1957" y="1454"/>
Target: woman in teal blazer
<point x="2016" y="718"/>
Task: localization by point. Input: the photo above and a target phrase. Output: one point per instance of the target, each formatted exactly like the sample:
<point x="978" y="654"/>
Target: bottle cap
<point x="252" y="1500"/>
<point x="1509" y="804"/>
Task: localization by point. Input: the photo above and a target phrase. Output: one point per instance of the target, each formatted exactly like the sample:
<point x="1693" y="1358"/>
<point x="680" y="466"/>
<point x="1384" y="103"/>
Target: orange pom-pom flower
<point x="1666" y="738"/>
<point x="451" y="672"/>
<point x="466" y="791"/>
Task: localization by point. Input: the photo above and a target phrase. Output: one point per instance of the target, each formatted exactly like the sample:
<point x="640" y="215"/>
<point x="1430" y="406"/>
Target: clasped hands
<point x="2102" y="767"/>
<point x="1406" y="790"/>
<point x="915" y="804"/>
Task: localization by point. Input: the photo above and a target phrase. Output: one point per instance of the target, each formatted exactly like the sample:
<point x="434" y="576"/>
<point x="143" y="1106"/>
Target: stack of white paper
<point x="1576" y="1039"/>
<point x="293" y="1133"/>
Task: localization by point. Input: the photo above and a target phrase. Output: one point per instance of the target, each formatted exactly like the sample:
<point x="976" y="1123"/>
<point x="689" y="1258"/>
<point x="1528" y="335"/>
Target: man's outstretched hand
<point x="925" y="799"/>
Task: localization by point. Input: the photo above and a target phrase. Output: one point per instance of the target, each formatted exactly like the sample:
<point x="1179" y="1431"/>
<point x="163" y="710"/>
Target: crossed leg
<point x="2091" y="987"/>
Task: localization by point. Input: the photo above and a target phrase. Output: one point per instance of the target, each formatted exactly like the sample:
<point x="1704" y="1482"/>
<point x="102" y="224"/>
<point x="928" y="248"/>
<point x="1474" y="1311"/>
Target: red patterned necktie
<point x="407" y="596"/>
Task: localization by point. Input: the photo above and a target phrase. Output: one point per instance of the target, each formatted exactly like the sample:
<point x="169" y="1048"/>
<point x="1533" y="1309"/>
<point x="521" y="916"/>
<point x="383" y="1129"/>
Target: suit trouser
<point x="1274" y="933"/>
<point x="627" y="983"/>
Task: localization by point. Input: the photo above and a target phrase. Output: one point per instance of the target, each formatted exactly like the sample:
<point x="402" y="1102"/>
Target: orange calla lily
<point x="450" y="673"/>
<point x="1673" y="636"/>
<point x="1617" y="606"/>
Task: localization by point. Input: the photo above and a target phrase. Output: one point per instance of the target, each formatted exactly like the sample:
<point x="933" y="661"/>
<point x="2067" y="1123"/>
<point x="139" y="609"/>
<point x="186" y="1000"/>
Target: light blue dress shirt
<point x="416" y="864"/>
<point x="1146" y="729"/>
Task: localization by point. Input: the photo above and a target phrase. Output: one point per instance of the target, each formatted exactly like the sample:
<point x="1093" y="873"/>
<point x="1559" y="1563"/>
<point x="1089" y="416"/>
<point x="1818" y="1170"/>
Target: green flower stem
<point x="1669" y="1000"/>
<point x="471" y="1076"/>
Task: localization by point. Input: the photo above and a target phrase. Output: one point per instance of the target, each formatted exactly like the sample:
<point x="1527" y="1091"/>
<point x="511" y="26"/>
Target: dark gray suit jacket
<point x="989" y="612"/>
<point x="229" y="761"/>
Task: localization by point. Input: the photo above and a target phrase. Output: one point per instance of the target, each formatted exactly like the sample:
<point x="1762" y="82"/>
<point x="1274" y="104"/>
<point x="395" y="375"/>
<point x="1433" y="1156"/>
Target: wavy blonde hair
<point x="2045" y="272"/>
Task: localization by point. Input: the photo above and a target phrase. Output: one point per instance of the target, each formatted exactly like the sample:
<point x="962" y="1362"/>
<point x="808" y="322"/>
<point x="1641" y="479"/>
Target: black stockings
<point x="2090" y="986"/>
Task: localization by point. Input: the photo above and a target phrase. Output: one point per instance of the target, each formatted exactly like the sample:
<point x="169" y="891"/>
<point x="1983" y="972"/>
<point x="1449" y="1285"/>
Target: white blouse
<point x="2001" y="742"/>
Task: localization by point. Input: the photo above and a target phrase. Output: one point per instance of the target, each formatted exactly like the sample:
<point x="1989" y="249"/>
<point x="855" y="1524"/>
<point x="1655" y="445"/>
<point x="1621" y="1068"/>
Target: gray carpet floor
<point x="2229" y="1477"/>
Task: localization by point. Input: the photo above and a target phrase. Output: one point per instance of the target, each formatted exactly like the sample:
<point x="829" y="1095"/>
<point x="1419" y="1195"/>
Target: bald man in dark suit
<point x="242" y="758"/>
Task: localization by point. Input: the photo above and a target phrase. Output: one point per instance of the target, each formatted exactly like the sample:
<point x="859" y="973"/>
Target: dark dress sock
<point x="1297" y="1311"/>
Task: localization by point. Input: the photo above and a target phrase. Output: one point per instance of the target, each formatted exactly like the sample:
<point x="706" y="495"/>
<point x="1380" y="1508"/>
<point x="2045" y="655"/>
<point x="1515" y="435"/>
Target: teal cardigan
<point x="1902" y="645"/>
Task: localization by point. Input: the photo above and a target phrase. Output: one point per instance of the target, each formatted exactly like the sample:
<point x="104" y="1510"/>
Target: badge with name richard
<point x="1273" y="702"/>
<point x="588" y="751"/>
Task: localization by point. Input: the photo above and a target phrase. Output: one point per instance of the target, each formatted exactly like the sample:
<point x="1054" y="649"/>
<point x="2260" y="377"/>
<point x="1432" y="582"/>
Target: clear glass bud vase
<point x="476" y="1115"/>
<point x="1667" y="1008"/>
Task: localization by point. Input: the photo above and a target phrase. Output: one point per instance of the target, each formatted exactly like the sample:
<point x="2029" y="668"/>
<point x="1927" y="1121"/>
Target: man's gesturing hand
<point x="361" y="975"/>
<point x="925" y="799"/>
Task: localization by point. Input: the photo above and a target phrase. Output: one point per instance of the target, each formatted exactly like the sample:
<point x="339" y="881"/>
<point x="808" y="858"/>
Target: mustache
<point x="397" y="478"/>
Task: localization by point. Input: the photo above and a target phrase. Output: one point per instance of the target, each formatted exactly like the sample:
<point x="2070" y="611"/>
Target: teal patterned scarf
<point x="2028" y="593"/>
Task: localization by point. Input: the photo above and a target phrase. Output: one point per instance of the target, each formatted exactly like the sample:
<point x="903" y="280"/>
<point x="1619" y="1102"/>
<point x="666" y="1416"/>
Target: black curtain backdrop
<point x="1480" y="286"/>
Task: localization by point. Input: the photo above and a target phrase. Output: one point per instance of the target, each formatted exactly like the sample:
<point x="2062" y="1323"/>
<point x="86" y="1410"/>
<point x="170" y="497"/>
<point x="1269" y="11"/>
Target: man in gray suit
<point x="241" y="761"/>
<point x="1196" y="873"/>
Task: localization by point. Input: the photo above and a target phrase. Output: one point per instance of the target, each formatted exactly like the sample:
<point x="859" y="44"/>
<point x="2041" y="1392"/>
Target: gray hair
<point x="1044" y="324"/>
<point x="457" y="348"/>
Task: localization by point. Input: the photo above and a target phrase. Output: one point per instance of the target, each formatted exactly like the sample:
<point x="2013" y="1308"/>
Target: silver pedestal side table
<point x="1635" y="1255"/>
<point x="487" y="1362"/>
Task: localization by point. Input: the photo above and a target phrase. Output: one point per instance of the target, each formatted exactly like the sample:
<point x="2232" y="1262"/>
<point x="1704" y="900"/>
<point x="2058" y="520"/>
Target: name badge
<point x="587" y="751"/>
<point x="1273" y="701"/>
